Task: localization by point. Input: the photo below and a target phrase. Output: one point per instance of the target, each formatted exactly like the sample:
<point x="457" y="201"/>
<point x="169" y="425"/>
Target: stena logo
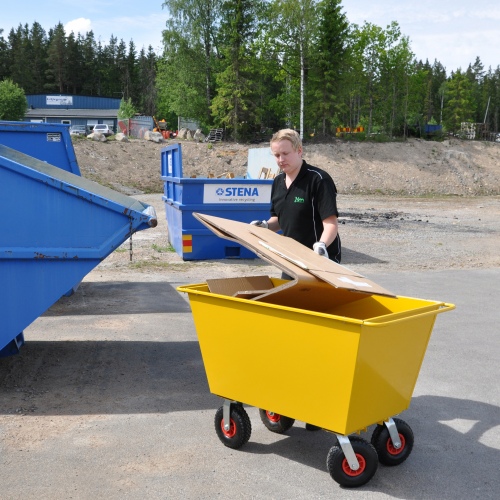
<point x="240" y="191"/>
<point x="237" y="193"/>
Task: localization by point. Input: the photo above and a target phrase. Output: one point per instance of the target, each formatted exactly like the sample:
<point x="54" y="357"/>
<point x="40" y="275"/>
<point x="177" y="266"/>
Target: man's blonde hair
<point x="289" y="135"/>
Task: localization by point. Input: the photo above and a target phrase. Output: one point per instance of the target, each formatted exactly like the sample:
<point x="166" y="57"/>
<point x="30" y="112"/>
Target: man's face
<point x="286" y="157"/>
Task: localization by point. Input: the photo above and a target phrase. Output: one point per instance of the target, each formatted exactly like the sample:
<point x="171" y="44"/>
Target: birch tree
<point x="293" y="27"/>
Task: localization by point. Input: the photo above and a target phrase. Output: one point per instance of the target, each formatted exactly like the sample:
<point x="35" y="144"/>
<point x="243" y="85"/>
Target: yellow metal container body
<point x="343" y="370"/>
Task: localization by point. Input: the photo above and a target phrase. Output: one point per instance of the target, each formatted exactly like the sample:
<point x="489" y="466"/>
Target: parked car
<point x="103" y="129"/>
<point x="78" y="130"/>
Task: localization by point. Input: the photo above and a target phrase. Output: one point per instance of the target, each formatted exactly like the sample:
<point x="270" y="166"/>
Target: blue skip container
<point x="56" y="227"/>
<point x="238" y="199"/>
<point x="50" y="142"/>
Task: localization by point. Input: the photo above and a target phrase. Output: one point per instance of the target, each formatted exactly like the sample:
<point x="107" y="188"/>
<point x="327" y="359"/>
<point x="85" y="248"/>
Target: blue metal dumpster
<point x="55" y="228"/>
<point x="50" y="142"/>
<point x="237" y="199"/>
<point x="432" y="129"/>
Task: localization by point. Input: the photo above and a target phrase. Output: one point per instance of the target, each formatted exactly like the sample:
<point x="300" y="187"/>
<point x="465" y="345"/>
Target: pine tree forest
<point x="254" y="66"/>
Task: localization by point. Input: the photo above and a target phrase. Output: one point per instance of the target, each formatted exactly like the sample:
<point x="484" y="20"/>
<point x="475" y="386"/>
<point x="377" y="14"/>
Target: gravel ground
<point x="406" y="234"/>
<point x="410" y="205"/>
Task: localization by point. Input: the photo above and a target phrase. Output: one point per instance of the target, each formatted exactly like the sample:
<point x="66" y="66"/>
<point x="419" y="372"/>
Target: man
<point x="303" y="202"/>
<point x="303" y="199"/>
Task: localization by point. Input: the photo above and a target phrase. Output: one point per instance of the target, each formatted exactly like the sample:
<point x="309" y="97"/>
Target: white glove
<point x="260" y="223"/>
<point x="320" y="248"/>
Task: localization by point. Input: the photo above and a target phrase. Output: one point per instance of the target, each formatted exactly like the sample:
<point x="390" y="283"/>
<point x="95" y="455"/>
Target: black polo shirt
<point x="301" y="209"/>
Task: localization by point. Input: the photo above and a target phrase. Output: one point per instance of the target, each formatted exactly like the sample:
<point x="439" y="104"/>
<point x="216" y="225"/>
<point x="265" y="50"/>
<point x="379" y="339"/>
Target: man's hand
<point x="320" y="248"/>
<point x="260" y="223"/>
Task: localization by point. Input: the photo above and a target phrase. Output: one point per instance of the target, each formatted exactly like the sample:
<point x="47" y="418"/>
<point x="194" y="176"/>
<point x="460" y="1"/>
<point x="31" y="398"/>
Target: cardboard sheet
<point x="248" y="287"/>
<point x="312" y="274"/>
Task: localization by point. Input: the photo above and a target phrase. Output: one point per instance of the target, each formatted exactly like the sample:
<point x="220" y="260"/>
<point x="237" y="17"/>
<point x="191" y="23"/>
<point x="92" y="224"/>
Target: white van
<point x="103" y="129"/>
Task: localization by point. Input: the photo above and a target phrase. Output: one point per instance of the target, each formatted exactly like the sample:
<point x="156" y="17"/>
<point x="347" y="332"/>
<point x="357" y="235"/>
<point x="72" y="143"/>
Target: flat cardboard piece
<point x="247" y="287"/>
<point x="310" y="271"/>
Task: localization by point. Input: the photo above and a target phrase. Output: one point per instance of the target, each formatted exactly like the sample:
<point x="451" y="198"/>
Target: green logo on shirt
<point x="298" y="199"/>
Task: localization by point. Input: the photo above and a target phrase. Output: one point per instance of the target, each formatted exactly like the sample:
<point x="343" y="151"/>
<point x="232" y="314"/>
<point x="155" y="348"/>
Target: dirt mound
<point x="414" y="167"/>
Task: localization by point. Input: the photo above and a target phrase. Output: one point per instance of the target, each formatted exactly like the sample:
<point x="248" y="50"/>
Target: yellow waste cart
<point x="342" y="368"/>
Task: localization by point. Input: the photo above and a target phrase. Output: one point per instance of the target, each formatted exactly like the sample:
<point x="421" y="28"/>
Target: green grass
<point x="143" y="264"/>
<point x="159" y="249"/>
<point x="170" y="266"/>
<point x="152" y="264"/>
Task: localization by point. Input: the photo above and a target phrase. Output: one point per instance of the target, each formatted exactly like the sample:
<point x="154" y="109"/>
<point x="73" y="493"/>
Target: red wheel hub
<point x="353" y="473"/>
<point x="232" y="429"/>
<point x="273" y="417"/>
<point x="391" y="448"/>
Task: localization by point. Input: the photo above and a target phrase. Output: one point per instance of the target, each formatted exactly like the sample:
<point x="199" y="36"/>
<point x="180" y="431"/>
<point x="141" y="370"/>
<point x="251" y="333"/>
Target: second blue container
<point x="238" y="199"/>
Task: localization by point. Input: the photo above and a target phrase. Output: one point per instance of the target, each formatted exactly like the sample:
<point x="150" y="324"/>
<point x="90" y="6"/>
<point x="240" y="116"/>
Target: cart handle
<point x="442" y="308"/>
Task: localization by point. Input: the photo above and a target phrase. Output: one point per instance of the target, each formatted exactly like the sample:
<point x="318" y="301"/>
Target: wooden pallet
<point x="215" y="135"/>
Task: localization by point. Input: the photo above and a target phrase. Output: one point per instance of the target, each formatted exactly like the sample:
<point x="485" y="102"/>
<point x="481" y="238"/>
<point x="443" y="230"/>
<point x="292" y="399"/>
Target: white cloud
<point x="489" y="15"/>
<point x="452" y="31"/>
<point x="457" y="51"/>
<point x="143" y="30"/>
<point x="80" y="25"/>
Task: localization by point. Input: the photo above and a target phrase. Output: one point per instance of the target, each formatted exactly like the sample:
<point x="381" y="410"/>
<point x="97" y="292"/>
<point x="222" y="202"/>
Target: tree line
<point x="44" y="62"/>
<point x="252" y="66"/>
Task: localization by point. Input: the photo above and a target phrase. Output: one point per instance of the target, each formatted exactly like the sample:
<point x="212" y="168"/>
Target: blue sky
<point x="141" y="20"/>
<point x="452" y="31"/>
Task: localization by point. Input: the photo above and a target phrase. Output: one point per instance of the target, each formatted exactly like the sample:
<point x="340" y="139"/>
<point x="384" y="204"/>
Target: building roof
<point x="71" y="113"/>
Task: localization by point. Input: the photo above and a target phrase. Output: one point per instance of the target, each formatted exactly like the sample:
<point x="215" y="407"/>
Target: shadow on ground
<point x="103" y="377"/>
<point x="352" y="257"/>
<point x="120" y="297"/>
<point x="454" y="438"/>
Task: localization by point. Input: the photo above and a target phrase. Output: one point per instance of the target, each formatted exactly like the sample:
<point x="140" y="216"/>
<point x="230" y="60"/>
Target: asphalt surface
<point x="108" y="399"/>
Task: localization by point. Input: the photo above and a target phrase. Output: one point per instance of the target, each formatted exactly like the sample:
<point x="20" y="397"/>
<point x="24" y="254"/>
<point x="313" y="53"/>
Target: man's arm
<point x="330" y="230"/>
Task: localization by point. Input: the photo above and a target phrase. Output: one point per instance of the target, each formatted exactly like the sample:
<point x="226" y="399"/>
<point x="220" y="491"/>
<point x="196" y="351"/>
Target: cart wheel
<point x="339" y="468"/>
<point x="387" y="453"/>
<point x="240" y="427"/>
<point x="276" y="422"/>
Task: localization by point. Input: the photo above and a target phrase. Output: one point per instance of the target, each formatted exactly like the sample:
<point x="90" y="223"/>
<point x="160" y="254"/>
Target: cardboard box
<point x="316" y="282"/>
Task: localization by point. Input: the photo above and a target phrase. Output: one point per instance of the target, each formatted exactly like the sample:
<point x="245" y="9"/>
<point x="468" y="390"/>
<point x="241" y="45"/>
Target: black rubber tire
<point x="382" y="442"/>
<point x="241" y="427"/>
<point x="275" y="422"/>
<point x="339" y="469"/>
